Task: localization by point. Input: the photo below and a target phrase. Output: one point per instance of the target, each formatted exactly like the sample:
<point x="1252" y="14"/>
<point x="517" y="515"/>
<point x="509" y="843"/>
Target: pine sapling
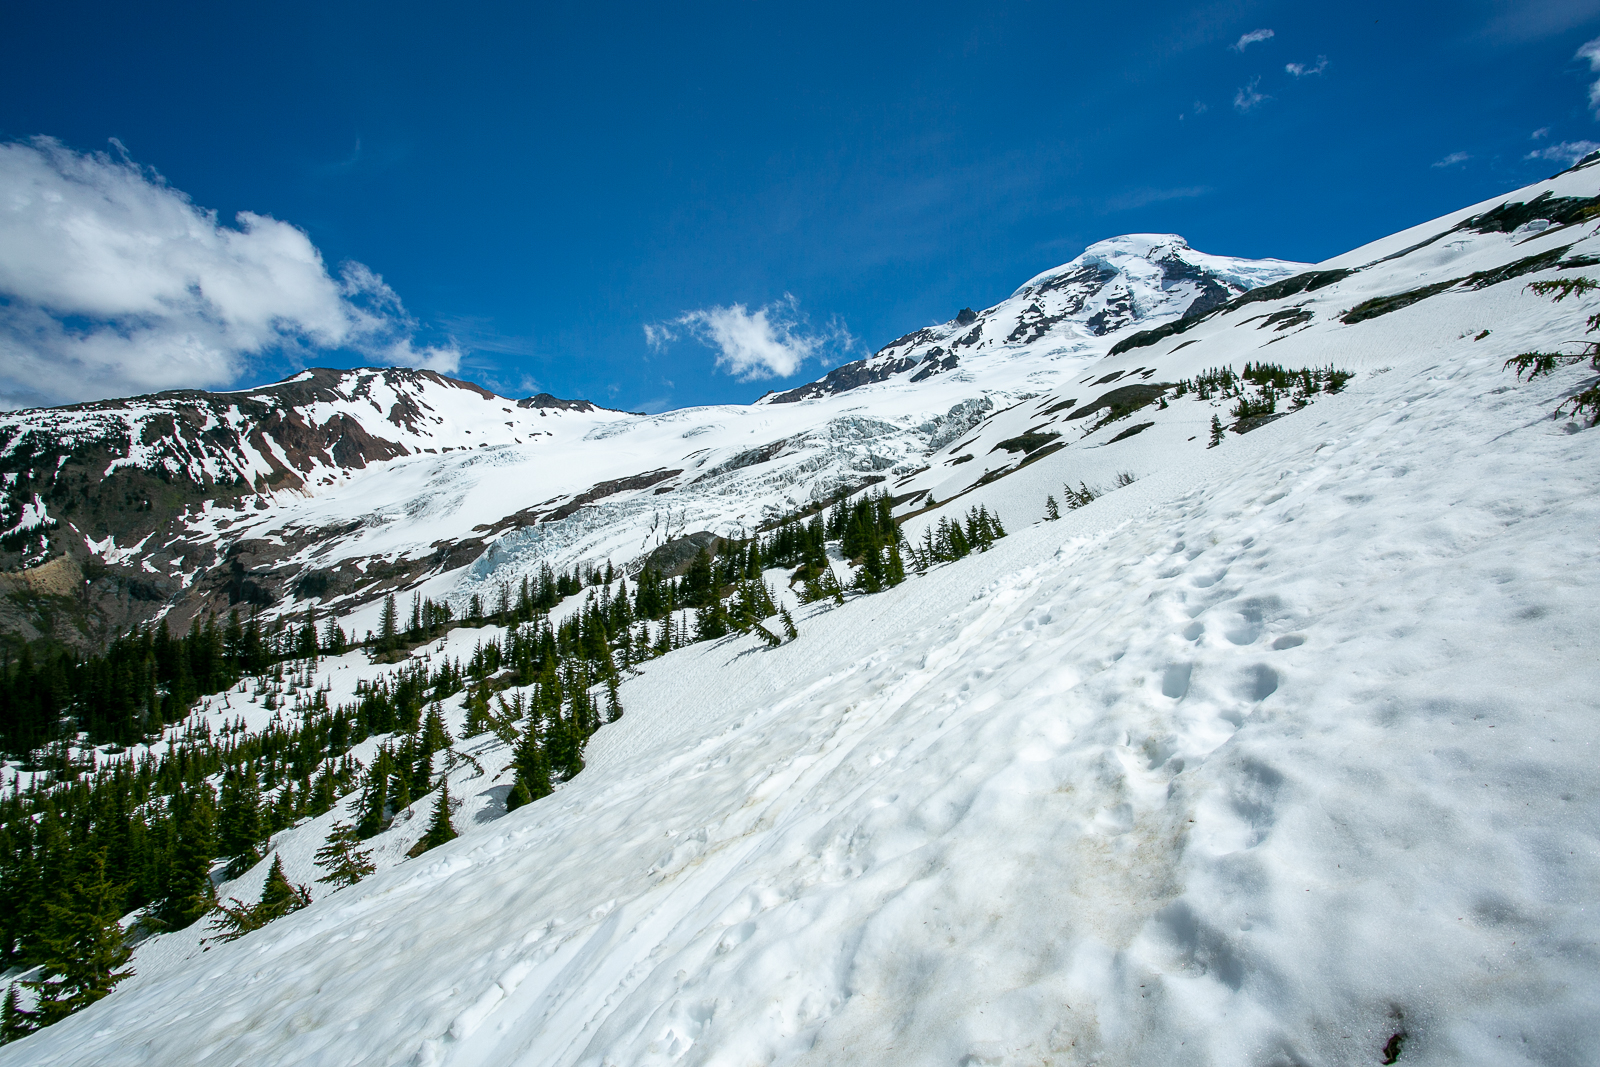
<point x="339" y="857"/>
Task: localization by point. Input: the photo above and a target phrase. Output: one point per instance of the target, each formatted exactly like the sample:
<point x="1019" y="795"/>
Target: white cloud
<point x="115" y="283"/>
<point x="1249" y="98"/>
<point x="1251" y="38"/>
<point x="658" y="336"/>
<point x="1301" y="70"/>
<point x="769" y="342"/>
<point x="1568" y="152"/>
<point x="1591" y="52"/>
<point x="1452" y="159"/>
<point x="1540" y="134"/>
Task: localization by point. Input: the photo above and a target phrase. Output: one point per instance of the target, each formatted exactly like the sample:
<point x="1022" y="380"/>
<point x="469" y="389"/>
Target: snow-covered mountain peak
<point x="1114" y="284"/>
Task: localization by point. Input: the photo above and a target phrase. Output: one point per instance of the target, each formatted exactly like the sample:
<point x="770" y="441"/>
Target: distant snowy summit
<point x="1115" y="283"/>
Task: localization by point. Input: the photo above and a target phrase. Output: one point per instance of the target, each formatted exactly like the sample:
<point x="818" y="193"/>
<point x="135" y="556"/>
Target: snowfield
<point x="1283" y="754"/>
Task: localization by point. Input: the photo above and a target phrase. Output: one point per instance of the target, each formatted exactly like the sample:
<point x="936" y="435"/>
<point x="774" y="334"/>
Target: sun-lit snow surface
<point x="1283" y="750"/>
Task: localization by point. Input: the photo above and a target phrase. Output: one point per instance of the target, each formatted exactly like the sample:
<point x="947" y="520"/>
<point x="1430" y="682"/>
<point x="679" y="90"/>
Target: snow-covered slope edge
<point x="1279" y="754"/>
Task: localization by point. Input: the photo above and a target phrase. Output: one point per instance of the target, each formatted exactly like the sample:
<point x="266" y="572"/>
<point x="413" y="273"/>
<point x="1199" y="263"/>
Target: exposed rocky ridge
<point x="114" y="487"/>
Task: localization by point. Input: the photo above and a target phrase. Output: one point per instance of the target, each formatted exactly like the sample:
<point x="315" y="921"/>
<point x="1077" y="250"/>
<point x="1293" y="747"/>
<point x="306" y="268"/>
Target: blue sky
<point x="774" y="188"/>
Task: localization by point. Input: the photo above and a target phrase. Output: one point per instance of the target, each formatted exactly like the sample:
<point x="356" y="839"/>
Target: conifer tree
<point x="613" y="699"/>
<point x="1216" y="432"/>
<point x="1052" y="510"/>
<point x="439" y="830"/>
<point x="14" y="1022"/>
<point x="401" y="799"/>
<point x="789" y="629"/>
<point x="188" y="893"/>
<point x="239" y="821"/>
<point x="422" y="774"/>
<point x="477" y="712"/>
<point x="699" y="582"/>
<point x="895" y="569"/>
<point x="375" y="802"/>
<point x="83" y="948"/>
<point x="333" y="639"/>
<point x="388" y="625"/>
<point x="711" y="622"/>
<point x="324" y="792"/>
<point x="340" y="858"/>
<point x="533" y="773"/>
<point x="565" y="747"/>
<point x="278" y="898"/>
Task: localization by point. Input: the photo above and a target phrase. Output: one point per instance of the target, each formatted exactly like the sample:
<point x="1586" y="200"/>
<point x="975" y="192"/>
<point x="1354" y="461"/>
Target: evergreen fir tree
<point x="711" y="622"/>
<point x="699" y="582"/>
<point x="83" y="948"/>
<point x="375" y="802"/>
<point x="477" y="712"/>
<point x="533" y="772"/>
<point x="333" y="639"/>
<point x="389" y="625"/>
<point x="613" y="699"/>
<point x="278" y="898"/>
<point x="239" y="821"/>
<point x="1216" y="432"/>
<point x="422" y="775"/>
<point x="14" y="1022"/>
<point x="340" y="858"/>
<point x="439" y="830"/>
<point x="402" y="790"/>
<point x="565" y="748"/>
<point x="895" y="570"/>
<point x="188" y="893"/>
<point x="1052" y="510"/>
<point x="434" y="734"/>
<point x="789" y="629"/>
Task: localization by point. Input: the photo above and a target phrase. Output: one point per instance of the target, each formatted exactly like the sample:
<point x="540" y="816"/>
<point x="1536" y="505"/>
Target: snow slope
<point x="1284" y="753"/>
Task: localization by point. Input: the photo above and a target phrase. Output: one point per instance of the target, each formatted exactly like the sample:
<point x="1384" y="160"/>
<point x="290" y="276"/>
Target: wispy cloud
<point x="658" y="336"/>
<point x="1516" y="21"/>
<point x="477" y="333"/>
<point x="1540" y="134"/>
<point x="1138" y="198"/>
<point x="1452" y="159"/>
<point x="1250" y="97"/>
<point x="115" y="283"/>
<point x="1253" y="37"/>
<point x="1591" y="52"/>
<point x="772" y="341"/>
<point x="1301" y="70"/>
<point x="1568" y="152"/>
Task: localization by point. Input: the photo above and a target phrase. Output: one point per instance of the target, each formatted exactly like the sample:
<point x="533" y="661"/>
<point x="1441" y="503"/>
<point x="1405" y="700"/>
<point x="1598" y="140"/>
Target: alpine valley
<point x="1185" y="660"/>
